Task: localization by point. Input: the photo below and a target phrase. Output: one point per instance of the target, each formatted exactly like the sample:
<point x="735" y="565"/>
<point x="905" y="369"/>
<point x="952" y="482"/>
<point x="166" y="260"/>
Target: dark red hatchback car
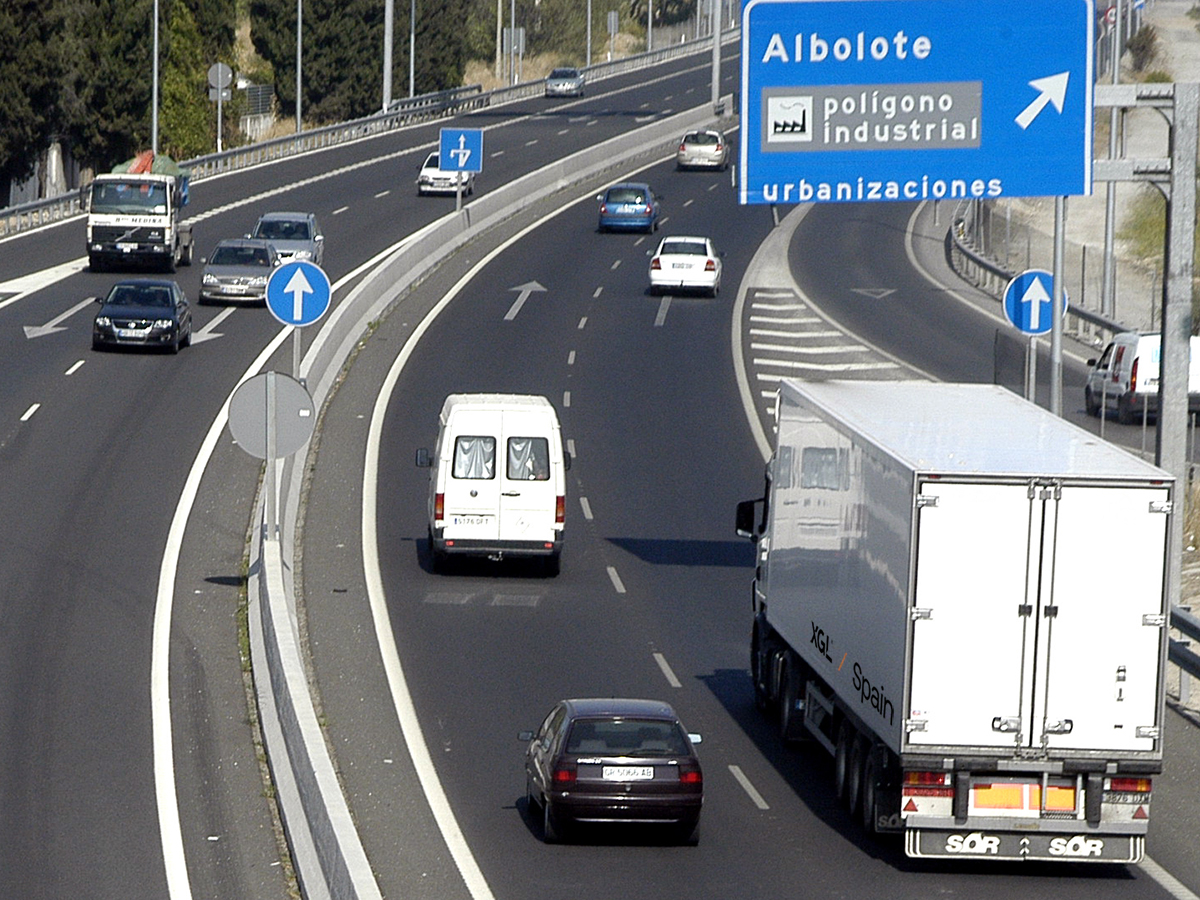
<point x="613" y="761"/>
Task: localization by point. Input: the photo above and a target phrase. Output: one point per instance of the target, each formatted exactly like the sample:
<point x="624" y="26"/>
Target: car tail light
<point x="682" y="148"/>
<point x="439" y="506"/>
<point x="720" y="147"/>
<point x="710" y="265"/>
<point x="691" y="776"/>
<point x="1130" y="785"/>
<point x="560" y="509"/>
<point x="656" y="263"/>
<point x="603" y="208"/>
<point x="563" y="775"/>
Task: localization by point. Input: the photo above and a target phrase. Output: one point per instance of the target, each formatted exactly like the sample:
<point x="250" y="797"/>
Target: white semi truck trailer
<point x="961" y="597"/>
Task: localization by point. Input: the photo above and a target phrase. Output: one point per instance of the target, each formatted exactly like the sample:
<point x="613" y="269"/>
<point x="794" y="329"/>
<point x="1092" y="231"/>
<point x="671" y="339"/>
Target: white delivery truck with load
<point x="940" y="604"/>
<point x="135" y="215"/>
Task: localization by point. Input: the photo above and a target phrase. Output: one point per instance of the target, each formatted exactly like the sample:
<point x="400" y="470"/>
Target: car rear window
<point x="701" y="137"/>
<point x="626" y="195"/>
<point x="687" y="248"/>
<point x="626" y="737"/>
<point x="563" y="73"/>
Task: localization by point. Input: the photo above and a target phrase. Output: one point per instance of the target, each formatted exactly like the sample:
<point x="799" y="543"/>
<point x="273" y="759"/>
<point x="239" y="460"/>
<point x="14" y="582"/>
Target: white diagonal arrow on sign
<point x="1051" y="89"/>
<point x="524" y="291"/>
<point x="207" y="333"/>
<point x="36" y="331"/>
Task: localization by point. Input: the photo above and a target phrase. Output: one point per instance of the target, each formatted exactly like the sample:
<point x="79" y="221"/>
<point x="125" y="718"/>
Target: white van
<point x="1125" y="377"/>
<point x="497" y="481"/>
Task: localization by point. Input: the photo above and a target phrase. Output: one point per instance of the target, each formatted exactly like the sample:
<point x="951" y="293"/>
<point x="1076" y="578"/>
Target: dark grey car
<point x="295" y="235"/>
<point x="143" y="312"/>
<point x="614" y="761"/>
<point x="238" y="271"/>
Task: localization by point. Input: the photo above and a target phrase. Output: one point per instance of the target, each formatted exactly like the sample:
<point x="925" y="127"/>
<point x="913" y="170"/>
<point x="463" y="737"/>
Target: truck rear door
<point x="1020" y="623"/>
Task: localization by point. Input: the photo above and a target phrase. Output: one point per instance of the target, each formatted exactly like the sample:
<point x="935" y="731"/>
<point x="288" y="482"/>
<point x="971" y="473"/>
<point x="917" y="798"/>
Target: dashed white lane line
<point x="531" y="143"/>
<point x="615" y="265"/>
<point x="571" y="358"/>
<point x="667" y="671"/>
<point x="618" y="586"/>
<point x="75" y="368"/>
<point x="571" y="447"/>
<point x="563" y="131"/>
<point x="587" y="508"/>
<point x="382" y="194"/>
<point x="582" y="323"/>
<point x="566" y="398"/>
<point x="740" y="777"/>
<point x="597" y="293"/>
<point x="29" y="412"/>
<point x="663" y="306"/>
<point x="340" y="210"/>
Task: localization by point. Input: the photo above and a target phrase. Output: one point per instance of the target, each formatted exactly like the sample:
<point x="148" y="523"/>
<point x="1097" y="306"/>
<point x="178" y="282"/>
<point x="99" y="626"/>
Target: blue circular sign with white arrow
<point x="298" y="293"/>
<point x="1029" y="303"/>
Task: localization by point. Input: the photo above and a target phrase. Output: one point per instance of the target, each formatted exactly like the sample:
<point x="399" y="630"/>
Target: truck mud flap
<point x="986" y="844"/>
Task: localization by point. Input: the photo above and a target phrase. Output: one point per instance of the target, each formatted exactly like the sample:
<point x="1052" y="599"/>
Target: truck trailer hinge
<point x="1154" y="620"/>
<point x="1149" y="731"/>
<point x="1162" y="506"/>
<point x="920" y="613"/>
<point x="924" y="500"/>
<point x="911" y="725"/>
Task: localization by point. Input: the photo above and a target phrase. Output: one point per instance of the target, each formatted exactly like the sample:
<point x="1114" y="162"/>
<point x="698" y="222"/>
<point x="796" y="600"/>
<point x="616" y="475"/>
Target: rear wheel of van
<point x="551" y="565"/>
<point x="1089" y="403"/>
<point x="437" y="558"/>
<point x="1125" y="411"/>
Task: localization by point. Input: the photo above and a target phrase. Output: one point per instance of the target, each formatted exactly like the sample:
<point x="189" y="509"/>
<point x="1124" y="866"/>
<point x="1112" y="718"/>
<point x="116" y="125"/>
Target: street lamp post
<point x="412" y="44"/>
<point x="154" y="88"/>
<point x="299" y="33"/>
<point x="389" y="23"/>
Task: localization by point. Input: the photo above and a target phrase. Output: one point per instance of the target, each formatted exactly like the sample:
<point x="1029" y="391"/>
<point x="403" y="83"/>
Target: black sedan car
<point x="143" y="312"/>
<point x="613" y="761"/>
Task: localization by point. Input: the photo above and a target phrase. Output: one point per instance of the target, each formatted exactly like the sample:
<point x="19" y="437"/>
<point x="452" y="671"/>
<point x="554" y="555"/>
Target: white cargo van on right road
<point x="1125" y="377"/>
<point x="497" y="481"/>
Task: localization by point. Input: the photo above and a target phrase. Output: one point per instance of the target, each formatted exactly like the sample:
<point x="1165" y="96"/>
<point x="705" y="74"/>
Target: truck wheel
<point x="854" y="775"/>
<point x="185" y="255"/>
<point x="841" y="760"/>
<point x="96" y="263"/>
<point x="870" y="775"/>
<point x="762" y="700"/>
<point x="791" y="724"/>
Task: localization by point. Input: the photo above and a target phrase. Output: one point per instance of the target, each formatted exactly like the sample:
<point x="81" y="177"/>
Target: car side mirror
<point x="566" y="461"/>
<point x="744" y="523"/>
<point x="423" y="461"/>
<point x="600" y="198"/>
<point x="1091" y="363"/>
<point x="694" y="738"/>
<point x="525" y="736"/>
<point x="319" y="238"/>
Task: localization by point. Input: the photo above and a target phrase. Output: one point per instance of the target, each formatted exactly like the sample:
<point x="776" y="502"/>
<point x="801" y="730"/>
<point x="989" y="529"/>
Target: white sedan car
<point x="436" y="180"/>
<point x="685" y="264"/>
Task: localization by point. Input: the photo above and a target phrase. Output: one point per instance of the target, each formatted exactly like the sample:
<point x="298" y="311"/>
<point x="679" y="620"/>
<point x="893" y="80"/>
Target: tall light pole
<point x="389" y="24"/>
<point x="299" y="33"/>
<point x="412" y="44"/>
<point x="154" y="88"/>
<point x="588" y="61"/>
<point x="649" y="25"/>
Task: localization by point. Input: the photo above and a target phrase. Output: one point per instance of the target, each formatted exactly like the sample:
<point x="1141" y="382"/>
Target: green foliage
<point x="30" y="72"/>
<point x="1145" y="231"/>
<point x="1142" y="47"/>
<point x="187" y="119"/>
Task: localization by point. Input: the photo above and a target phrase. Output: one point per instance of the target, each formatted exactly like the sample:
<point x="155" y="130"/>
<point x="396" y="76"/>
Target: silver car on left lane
<point x="238" y="270"/>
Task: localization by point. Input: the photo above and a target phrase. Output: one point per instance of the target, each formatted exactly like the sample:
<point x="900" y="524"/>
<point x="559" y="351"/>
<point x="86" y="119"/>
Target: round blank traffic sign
<point x="253" y="412"/>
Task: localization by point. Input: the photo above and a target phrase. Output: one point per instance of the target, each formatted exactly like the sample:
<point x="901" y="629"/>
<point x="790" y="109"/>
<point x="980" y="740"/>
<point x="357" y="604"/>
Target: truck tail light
<point x="439" y="507"/>
<point x="560" y="509"/>
<point x="928" y="784"/>
<point x="1130" y="785"/>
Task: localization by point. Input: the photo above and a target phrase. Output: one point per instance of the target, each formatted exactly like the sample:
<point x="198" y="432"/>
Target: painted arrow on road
<point x="207" y="333"/>
<point x="1051" y="89"/>
<point x="524" y="290"/>
<point x="53" y="326"/>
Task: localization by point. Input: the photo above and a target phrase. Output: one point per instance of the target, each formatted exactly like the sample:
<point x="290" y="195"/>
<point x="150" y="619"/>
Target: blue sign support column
<point x="907" y="100"/>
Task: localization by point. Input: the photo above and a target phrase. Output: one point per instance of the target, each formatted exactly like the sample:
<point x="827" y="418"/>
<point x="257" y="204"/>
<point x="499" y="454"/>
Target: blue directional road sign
<point x="298" y="293"/>
<point x="1028" y="301"/>
<point x="461" y="150"/>
<point x="864" y="100"/>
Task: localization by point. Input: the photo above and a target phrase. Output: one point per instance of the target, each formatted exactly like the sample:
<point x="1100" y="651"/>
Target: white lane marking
<point x="826" y="367"/>
<point x="664" y="220"/>
<point x="208" y="332"/>
<point x="339" y="210"/>
<point x="597" y="292"/>
<point x="616" y="264"/>
<point x="616" y="580"/>
<point x="638" y="242"/>
<point x="1166" y="880"/>
<point x="740" y="777"/>
<point x="497" y="153"/>
<point x="666" y="670"/>
<point x="33" y="331"/>
<point x="35" y="281"/>
<point x="791" y="348"/>
<point x="795" y="333"/>
<point x="688" y="202"/>
<point x="75" y="368"/>
<point x="571" y="447"/>
<point x="566" y="399"/>
<point x="586" y="507"/>
<point x="563" y="131"/>
<point x="663" y="306"/>
<point x="571" y="358"/>
<point x="531" y="143"/>
<point x="582" y="323"/>
<point x="382" y="194"/>
<point x="28" y="414"/>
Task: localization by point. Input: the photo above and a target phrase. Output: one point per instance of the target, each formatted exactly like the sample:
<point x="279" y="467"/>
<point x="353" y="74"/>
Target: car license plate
<point x="627" y="773"/>
<point x="680" y="266"/>
<point x="127" y="248"/>
<point x="129" y="333"/>
<point x="470" y="520"/>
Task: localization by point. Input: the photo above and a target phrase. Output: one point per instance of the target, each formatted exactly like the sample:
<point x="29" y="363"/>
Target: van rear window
<point x="474" y="457"/>
<point x="528" y="459"/>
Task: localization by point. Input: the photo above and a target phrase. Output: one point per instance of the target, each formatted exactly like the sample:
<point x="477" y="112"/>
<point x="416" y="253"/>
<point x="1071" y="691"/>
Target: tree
<point x="30" y="72"/>
<point x="187" y="125"/>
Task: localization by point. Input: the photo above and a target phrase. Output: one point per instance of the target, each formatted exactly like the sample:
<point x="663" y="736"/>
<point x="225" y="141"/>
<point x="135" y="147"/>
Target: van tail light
<point x="563" y="775"/>
<point x="655" y="263"/>
<point x="560" y="509"/>
<point x="710" y="265"/>
<point x="439" y="507"/>
<point x="1133" y="377"/>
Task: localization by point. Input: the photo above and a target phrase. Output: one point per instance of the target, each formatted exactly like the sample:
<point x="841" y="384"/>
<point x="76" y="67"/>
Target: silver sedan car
<point x="238" y="270"/>
<point x="564" y="82"/>
<point x="702" y="150"/>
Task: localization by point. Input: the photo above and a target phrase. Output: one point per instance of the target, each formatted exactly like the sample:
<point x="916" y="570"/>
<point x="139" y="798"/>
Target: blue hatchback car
<point x="629" y="206"/>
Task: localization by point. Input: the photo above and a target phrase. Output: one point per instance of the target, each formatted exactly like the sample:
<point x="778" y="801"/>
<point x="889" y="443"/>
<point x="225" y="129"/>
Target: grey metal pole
<point x="649" y="25"/>
<point x="154" y="87"/>
<point x="499" y="39"/>
<point x="1177" y="318"/>
<point x="412" y="47"/>
<point x="512" y="43"/>
<point x="1059" y="276"/>
<point x="716" y="55"/>
<point x="389" y="24"/>
<point x="588" y="61"/>
<point x="272" y="495"/>
<point x="299" y="43"/>
<point x="1108" y="284"/>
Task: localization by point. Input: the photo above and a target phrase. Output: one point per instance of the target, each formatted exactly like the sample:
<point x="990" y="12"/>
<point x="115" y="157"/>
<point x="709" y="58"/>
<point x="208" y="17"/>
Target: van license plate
<point x="470" y="520"/>
<point x="627" y="773"/>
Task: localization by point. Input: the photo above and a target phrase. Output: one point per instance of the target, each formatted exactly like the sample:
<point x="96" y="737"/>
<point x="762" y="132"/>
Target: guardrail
<point x="991" y="277"/>
<point x="37" y="213"/>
